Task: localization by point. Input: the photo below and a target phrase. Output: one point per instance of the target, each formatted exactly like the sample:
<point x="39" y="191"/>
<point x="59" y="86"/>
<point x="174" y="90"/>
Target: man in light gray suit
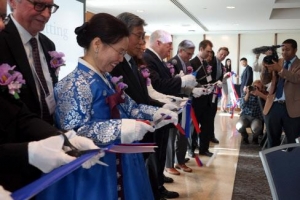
<point x="177" y="143"/>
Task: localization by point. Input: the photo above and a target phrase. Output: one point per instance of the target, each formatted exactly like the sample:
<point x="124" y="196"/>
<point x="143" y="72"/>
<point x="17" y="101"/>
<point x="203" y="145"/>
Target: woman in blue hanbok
<point x="84" y="103"/>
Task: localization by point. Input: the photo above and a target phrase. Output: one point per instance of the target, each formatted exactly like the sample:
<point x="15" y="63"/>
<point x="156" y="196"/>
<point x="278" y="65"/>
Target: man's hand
<point x="273" y="67"/>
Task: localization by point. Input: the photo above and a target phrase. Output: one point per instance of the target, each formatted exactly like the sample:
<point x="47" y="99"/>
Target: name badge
<point x="208" y="78"/>
<point x="50" y="103"/>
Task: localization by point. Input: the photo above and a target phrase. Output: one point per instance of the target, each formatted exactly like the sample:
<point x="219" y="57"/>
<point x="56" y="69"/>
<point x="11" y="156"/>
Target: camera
<point x="251" y="88"/>
<point x="268" y="59"/>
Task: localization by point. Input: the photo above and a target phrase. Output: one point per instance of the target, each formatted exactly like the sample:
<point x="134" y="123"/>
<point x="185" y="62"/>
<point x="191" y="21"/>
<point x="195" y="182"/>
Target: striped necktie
<point x="44" y="91"/>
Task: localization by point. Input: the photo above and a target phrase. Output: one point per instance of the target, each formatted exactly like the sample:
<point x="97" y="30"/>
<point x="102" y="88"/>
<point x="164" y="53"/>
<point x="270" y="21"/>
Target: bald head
<point x="161" y="42"/>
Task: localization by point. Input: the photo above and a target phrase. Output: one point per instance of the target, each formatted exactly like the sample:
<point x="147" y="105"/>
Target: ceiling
<point x="191" y="17"/>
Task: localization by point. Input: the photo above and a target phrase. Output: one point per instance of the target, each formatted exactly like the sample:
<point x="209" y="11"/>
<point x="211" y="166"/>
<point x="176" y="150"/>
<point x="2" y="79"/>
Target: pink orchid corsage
<point x="189" y="69"/>
<point x="146" y="74"/>
<point x="12" y="79"/>
<point x="208" y="69"/>
<point x="171" y="67"/>
<point x="118" y="82"/>
<point x="56" y="60"/>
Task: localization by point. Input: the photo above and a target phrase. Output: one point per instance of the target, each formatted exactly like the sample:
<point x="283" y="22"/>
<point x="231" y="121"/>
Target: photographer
<point x="269" y="51"/>
<point x="251" y="115"/>
<point x="257" y="67"/>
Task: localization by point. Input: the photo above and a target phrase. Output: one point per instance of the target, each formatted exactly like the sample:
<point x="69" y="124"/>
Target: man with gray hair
<point x="137" y="90"/>
<point x="22" y="45"/>
<point x="161" y="77"/>
<point x="177" y="144"/>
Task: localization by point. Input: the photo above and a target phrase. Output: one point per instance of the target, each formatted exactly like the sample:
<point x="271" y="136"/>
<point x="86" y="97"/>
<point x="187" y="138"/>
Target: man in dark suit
<point x="22" y="158"/>
<point x="26" y="22"/>
<point x="217" y="75"/>
<point x="137" y="90"/>
<point x="161" y="78"/>
<point x="26" y="144"/>
<point x="247" y="75"/>
<point x="203" y="105"/>
<point x="177" y="144"/>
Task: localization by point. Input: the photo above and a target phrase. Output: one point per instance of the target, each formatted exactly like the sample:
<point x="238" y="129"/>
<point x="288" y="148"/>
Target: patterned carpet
<point x="250" y="180"/>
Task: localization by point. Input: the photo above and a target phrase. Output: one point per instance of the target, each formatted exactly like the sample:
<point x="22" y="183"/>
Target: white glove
<point x="132" y="130"/>
<point x="181" y="74"/>
<point x="188" y="81"/>
<point x="197" y="92"/>
<point x="170" y="106"/>
<point x="171" y="117"/>
<point x="4" y="194"/>
<point x="48" y="154"/>
<point x="83" y="143"/>
<point x="154" y="94"/>
<point x="210" y="89"/>
<point x="219" y="83"/>
<point x="175" y="99"/>
<point x="94" y="160"/>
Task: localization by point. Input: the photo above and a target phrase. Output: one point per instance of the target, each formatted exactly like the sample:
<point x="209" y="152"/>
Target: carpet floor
<point x="250" y="180"/>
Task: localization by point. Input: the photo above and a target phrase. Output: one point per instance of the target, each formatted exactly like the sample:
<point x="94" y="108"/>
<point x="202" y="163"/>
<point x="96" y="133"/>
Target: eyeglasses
<point x="140" y="36"/>
<point x="40" y="7"/>
<point x="121" y="53"/>
<point x="188" y="53"/>
<point x="5" y="19"/>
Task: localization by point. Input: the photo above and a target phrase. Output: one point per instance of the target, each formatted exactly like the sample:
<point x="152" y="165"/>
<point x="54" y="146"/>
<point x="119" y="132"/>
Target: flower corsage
<point x="171" y="67"/>
<point x="11" y="80"/>
<point x="56" y="60"/>
<point x="146" y="74"/>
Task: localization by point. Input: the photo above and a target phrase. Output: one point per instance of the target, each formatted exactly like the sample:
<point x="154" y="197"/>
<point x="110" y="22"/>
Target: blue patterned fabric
<point x="81" y="105"/>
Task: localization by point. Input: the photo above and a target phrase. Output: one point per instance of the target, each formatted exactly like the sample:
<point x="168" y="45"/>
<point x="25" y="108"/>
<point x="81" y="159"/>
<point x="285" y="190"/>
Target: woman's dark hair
<point x="228" y="67"/>
<point x="105" y="26"/>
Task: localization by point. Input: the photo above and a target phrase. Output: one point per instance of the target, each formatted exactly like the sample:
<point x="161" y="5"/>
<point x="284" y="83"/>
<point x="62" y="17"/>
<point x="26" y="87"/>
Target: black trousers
<point x="278" y="120"/>
<point x="204" y="115"/>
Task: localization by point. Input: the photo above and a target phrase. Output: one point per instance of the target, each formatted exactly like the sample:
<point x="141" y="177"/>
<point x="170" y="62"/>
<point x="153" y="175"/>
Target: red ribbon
<point x="194" y="120"/>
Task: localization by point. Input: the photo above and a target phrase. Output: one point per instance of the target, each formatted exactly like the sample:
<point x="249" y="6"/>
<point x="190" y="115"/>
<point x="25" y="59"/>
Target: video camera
<point x="268" y="59"/>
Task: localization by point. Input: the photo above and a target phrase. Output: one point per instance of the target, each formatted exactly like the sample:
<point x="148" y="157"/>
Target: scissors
<point x="76" y="152"/>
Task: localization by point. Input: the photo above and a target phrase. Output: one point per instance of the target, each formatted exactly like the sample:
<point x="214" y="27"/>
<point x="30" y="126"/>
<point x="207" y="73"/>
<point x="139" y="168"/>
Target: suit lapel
<point x="15" y="43"/>
<point x="131" y="78"/>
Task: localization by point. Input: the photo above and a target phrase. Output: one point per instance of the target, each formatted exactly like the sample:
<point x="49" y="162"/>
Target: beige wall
<point x="240" y="45"/>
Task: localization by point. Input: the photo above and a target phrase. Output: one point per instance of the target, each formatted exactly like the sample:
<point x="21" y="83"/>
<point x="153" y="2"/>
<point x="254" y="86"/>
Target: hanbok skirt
<point x="100" y="182"/>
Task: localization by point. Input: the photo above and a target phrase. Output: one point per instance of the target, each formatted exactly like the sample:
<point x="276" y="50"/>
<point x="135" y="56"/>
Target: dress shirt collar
<point x="155" y="53"/>
<point x="182" y="63"/>
<point x="24" y="34"/>
<point x="291" y="61"/>
<point x="127" y="57"/>
<point x="201" y="59"/>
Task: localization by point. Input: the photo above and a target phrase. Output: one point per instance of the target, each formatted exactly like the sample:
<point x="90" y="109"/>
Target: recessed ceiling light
<point x="140" y="11"/>
<point x="204" y="8"/>
<point x="185" y="25"/>
<point x="230" y="7"/>
<point x="191" y="30"/>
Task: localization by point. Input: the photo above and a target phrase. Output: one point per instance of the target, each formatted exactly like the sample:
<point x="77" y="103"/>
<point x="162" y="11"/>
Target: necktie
<point x="219" y="70"/>
<point x="184" y="65"/>
<point x="280" y="83"/>
<point x="42" y="81"/>
<point x="134" y="68"/>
